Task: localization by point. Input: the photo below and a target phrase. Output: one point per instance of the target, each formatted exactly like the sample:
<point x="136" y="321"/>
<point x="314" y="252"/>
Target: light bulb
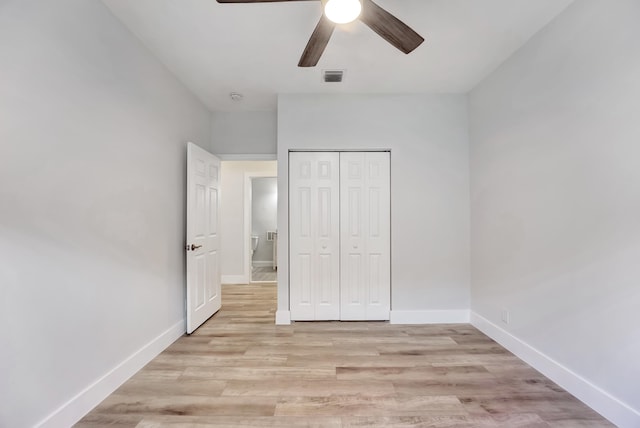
<point x="342" y="11"/>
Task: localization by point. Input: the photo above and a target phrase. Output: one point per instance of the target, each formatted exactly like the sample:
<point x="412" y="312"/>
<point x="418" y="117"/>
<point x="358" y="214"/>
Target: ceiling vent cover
<point x="332" y="76"/>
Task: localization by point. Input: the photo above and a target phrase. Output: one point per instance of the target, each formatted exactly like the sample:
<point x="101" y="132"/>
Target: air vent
<point x="332" y="76"/>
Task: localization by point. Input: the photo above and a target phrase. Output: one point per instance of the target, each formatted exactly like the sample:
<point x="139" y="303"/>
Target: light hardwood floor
<point x="239" y="369"/>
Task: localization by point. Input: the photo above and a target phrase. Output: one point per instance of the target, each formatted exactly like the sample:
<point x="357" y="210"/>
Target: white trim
<point x="83" y="402"/>
<point x="621" y="414"/>
<point x="283" y="317"/>
<point x="242" y="157"/>
<point x="235" y="279"/>
<point x="444" y="316"/>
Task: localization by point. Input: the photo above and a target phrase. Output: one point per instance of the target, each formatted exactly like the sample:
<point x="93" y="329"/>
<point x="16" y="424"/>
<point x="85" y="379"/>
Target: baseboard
<point x="616" y="411"/>
<point x="234" y="279"/>
<point x="283" y="317"/>
<point x="77" y="407"/>
<point x="453" y="316"/>
<point x="262" y="263"/>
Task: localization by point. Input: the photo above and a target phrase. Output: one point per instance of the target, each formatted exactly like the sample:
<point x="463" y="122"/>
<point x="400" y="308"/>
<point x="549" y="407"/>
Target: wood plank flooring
<point x="241" y="370"/>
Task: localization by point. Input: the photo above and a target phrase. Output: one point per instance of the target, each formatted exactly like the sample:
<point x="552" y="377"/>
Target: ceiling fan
<point x="379" y="20"/>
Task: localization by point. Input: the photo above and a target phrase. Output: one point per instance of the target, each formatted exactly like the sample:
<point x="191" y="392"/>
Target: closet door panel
<point x="365" y="282"/>
<point x="378" y="266"/>
<point x="327" y="248"/>
<point x="301" y="232"/>
<point x="353" y="292"/>
<point x="314" y="236"/>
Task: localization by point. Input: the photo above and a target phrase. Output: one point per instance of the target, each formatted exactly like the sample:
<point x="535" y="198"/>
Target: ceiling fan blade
<point x="257" y="1"/>
<point x="318" y="41"/>
<point x="389" y="27"/>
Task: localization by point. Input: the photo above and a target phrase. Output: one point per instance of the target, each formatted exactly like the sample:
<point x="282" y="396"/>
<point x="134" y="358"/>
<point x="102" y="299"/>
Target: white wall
<point x="252" y="132"/>
<point x="264" y="216"/>
<point x="93" y="133"/>
<point x="555" y="196"/>
<point x="428" y="139"/>
<point x="234" y="246"/>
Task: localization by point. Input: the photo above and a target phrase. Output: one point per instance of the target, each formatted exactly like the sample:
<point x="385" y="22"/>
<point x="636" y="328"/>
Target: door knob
<point x="355" y="246"/>
<point x="195" y="247"/>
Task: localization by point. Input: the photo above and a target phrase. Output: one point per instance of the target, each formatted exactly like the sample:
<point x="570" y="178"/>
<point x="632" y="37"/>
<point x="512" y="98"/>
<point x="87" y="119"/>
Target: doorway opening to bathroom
<point x="264" y="232"/>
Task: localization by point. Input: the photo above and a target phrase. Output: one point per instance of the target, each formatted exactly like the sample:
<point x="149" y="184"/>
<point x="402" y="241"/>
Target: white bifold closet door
<point x="365" y="219"/>
<point x="314" y="233"/>
<point x="339" y="231"/>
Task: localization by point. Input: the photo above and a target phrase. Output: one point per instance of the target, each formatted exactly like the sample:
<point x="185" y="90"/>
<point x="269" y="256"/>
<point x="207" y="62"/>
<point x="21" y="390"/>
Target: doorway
<point x="235" y="216"/>
<point x="263" y="246"/>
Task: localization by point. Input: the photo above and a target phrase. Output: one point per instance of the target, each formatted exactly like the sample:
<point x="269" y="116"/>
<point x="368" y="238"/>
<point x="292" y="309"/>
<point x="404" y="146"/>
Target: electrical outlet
<point x="506" y="316"/>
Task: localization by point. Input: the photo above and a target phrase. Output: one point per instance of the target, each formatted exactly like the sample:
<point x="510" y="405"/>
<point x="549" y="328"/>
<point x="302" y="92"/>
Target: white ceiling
<point x="254" y="49"/>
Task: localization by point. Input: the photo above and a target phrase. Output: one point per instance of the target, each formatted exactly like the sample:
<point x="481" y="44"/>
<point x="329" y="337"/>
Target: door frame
<point x="248" y="205"/>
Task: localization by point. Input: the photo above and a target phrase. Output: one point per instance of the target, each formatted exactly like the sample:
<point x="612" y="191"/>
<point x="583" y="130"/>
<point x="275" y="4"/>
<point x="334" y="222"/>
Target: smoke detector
<point x="236" y="96"/>
<point x="332" y="76"/>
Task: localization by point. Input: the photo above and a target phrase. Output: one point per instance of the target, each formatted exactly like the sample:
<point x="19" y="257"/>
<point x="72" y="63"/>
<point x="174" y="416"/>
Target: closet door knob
<point x="355" y="246"/>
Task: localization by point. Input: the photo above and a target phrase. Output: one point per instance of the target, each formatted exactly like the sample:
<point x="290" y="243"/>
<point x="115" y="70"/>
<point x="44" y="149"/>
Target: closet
<point x="339" y="236"/>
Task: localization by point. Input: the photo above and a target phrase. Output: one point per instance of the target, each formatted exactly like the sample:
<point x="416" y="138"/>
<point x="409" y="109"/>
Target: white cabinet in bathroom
<point x="339" y="235"/>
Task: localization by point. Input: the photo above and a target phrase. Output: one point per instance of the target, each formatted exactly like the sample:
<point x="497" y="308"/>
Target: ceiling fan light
<point x="342" y="11"/>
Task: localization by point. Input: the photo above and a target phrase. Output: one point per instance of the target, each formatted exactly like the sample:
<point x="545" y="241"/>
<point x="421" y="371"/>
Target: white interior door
<point x="203" y="241"/>
<point x="314" y="233"/>
<point x="365" y="250"/>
